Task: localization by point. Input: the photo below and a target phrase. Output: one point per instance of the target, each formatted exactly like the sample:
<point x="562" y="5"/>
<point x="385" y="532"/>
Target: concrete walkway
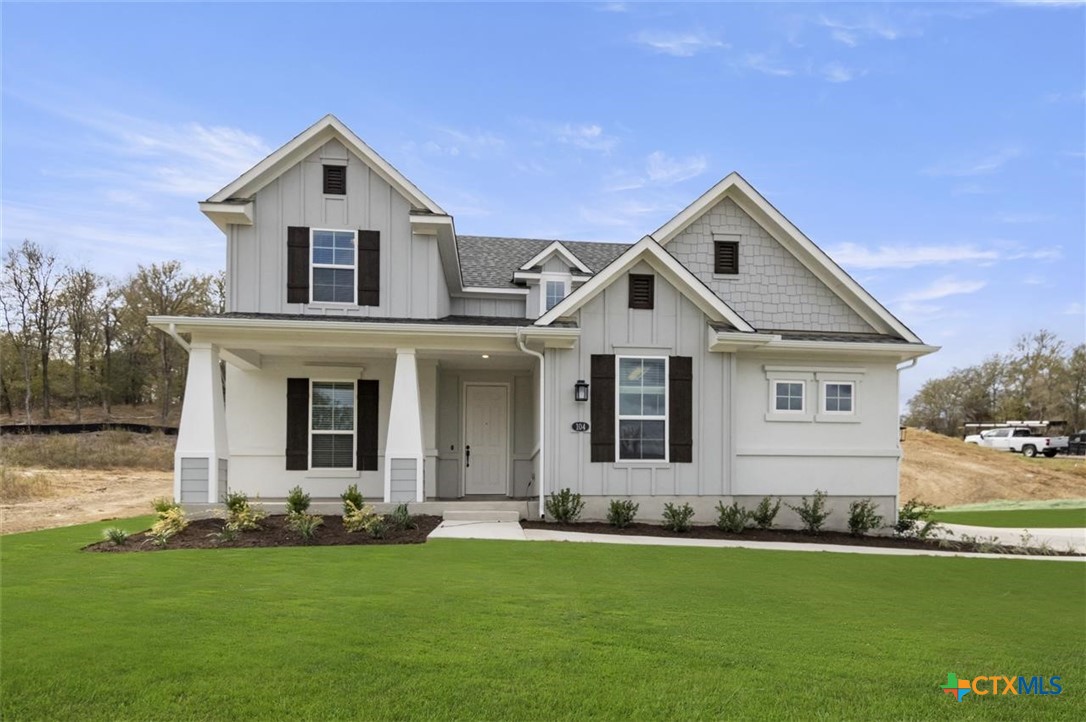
<point x="512" y="531"/>
<point x="1058" y="539"/>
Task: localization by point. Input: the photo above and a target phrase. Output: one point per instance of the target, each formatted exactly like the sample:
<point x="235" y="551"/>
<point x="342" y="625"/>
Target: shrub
<point x="677" y="518"/>
<point x="363" y="518"/>
<point x="914" y="520"/>
<point x="622" y="512"/>
<point x="402" y="519"/>
<point x="564" y="506"/>
<point x="862" y="517"/>
<point x="304" y="524"/>
<point x="297" y="501"/>
<point x="170" y="522"/>
<point x="766" y="511"/>
<point x="812" y="512"/>
<point x="162" y="505"/>
<point x="241" y="514"/>
<point x="117" y="536"/>
<point x="228" y="533"/>
<point x="732" y="519"/>
<point x="352" y="496"/>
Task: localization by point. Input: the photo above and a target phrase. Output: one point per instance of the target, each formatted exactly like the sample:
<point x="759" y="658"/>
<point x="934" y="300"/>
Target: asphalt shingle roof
<point x="490" y="261"/>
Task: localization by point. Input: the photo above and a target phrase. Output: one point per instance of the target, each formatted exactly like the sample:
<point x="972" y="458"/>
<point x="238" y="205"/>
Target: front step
<point x="480" y="515"/>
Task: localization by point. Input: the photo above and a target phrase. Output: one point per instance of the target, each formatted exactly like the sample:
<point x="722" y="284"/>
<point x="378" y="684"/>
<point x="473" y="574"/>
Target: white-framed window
<point x="789" y="396"/>
<point x="554" y="292"/>
<point x="331" y="425"/>
<point x="642" y="408"/>
<point x="838" y="397"/>
<point x="334" y="266"/>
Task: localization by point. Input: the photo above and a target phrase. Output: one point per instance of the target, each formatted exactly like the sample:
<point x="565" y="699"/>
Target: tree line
<point x="1041" y="378"/>
<point x="73" y="337"/>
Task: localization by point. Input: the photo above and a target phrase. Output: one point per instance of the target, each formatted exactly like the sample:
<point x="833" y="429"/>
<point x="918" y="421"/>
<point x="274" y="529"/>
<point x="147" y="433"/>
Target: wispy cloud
<point x="762" y="63"/>
<point x="838" y="73"/>
<point x="1074" y="96"/>
<point x="589" y="136"/>
<point x="666" y="170"/>
<point x="941" y="288"/>
<point x="853" y="33"/>
<point x="853" y="255"/>
<point x="613" y="7"/>
<point x="980" y="165"/>
<point x="1074" y="309"/>
<point x="454" y="142"/>
<point x="678" y="44"/>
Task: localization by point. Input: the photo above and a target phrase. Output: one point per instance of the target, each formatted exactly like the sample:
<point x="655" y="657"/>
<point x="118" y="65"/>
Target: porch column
<point x="403" y="446"/>
<point x="201" y="458"/>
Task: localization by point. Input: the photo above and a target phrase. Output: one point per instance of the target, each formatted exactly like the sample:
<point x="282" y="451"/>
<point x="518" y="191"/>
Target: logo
<point x="998" y="684"/>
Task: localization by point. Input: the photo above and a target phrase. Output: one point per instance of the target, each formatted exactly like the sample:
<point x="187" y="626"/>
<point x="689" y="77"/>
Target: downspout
<point x="908" y="365"/>
<point x="172" y="331"/>
<point x="539" y="412"/>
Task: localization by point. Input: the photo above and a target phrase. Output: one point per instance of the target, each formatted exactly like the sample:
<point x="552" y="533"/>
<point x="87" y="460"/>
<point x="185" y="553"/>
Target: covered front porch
<point x="408" y="412"/>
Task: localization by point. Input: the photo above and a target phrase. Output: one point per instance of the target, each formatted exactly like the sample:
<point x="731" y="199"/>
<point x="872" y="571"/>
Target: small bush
<point x="677" y="518"/>
<point x="304" y="524"/>
<point x="353" y="497"/>
<point x="402" y="519"/>
<point x="241" y="514"/>
<point x="732" y="519"/>
<point x="235" y="500"/>
<point x="119" y="537"/>
<point x="812" y="512"/>
<point x="228" y="533"/>
<point x="377" y="527"/>
<point x="297" y="501"/>
<point x="170" y="523"/>
<point x="766" y="511"/>
<point x="564" y="506"/>
<point x="363" y="518"/>
<point x="162" y="505"/>
<point x="914" y="520"/>
<point x="622" y="512"/>
<point x="862" y="517"/>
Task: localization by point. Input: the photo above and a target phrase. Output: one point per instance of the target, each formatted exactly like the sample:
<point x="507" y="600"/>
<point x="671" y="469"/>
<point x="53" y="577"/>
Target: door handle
<point x="467" y="456"/>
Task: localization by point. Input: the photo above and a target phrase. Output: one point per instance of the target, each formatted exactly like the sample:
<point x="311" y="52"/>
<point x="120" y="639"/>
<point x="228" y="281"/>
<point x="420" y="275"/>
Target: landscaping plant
<point x="402" y="519"/>
<point x="241" y="514"/>
<point x="862" y="517"/>
<point x="564" y="506"/>
<point x="353" y="497"/>
<point x="915" y="520"/>
<point x="363" y="518"/>
<point x="297" y="501"/>
<point x="304" y="524"/>
<point x="622" y="512"/>
<point x="732" y="519"/>
<point x="766" y="511"/>
<point x="677" y="518"/>
<point x="162" y="505"/>
<point x="812" y="512"/>
<point x="117" y="536"/>
<point x="171" y="521"/>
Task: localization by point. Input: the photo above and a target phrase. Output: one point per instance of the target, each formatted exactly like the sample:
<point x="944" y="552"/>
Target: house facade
<point x="722" y="357"/>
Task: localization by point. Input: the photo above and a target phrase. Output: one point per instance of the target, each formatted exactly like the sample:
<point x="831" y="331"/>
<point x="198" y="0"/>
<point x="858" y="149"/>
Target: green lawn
<point x="507" y="630"/>
<point x="1017" y="518"/>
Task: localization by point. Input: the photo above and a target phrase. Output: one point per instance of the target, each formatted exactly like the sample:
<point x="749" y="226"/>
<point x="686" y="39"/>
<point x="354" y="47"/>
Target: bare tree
<point x="16" y="299"/>
<point x="77" y="299"/>
<point x="34" y="269"/>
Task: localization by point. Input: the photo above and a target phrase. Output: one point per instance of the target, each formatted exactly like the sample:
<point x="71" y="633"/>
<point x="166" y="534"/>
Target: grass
<point x="16" y="485"/>
<point x="1017" y="518"/>
<point x="508" y="630"/>
<point x="97" y="450"/>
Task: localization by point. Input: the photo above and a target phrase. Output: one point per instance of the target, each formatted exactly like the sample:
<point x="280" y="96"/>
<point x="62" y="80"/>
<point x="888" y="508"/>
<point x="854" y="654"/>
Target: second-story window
<point x="556" y="291"/>
<point x="334" y="266"/>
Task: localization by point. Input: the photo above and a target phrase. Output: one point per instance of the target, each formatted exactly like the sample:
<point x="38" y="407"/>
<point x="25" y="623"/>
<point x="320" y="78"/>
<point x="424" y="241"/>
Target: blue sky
<point x="936" y="151"/>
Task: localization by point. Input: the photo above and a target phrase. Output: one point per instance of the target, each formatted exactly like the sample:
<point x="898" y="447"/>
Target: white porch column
<point x="202" y="455"/>
<point x="403" y="445"/>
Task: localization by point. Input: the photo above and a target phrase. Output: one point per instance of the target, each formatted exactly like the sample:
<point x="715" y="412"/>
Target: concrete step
<point x="480" y="515"/>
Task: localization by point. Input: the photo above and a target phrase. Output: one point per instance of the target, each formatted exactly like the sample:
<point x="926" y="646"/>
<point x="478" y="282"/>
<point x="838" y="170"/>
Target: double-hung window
<point x="788" y="396"/>
<point x="837" y="397"/>
<point x="642" y="408"/>
<point x="334" y="267"/>
<point x="555" y="292"/>
<point x="331" y="425"/>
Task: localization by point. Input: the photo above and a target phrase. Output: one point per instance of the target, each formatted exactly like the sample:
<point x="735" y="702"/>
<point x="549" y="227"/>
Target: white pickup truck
<point x="1019" y="440"/>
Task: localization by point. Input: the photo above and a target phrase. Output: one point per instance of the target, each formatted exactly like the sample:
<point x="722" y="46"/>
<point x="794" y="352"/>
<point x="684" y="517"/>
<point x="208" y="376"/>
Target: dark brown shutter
<point x="642" y="291"/>
<point x="297" y="264"/>
<point x="680" y="409"/>
<point x="335" y="180"/>
<point x="369" y="268"/>
<point x="726" y="257"/>
<point x="602" y="391"/>
<point x="367" y="425"/>
<point x="297" y="424"/>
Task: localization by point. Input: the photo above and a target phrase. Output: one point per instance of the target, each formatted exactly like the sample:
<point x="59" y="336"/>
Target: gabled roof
<point x="490" y="261"/>
<point x="734" y="186"/>
<point x="555" y="248"/>
<point x="666" y="265"/>
<point x="306" y="142"/>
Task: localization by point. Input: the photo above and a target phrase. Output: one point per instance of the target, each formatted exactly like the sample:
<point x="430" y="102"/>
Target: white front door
<point x="486" y="439"/>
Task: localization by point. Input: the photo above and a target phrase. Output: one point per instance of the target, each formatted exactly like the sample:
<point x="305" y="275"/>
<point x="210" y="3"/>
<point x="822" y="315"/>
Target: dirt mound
<point x="946" y="471"/>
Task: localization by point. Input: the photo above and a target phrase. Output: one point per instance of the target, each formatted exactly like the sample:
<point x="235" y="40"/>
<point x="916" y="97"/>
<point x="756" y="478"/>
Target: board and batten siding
<point x="412" y="280"/>
<point x="493" y="307"/>
<point x="675" y="327"/>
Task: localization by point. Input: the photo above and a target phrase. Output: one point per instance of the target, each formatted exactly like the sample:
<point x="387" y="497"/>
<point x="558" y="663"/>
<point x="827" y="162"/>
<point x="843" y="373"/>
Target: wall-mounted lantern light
<point x="580" y="390"/>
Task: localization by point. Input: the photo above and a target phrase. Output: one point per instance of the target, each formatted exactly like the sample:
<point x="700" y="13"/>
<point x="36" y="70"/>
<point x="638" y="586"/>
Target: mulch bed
<point x="273" y="533"/>
<point x="778" y="535"/>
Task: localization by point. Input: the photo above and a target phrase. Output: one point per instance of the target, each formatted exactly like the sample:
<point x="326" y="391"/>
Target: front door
<point x="486" y="439"/>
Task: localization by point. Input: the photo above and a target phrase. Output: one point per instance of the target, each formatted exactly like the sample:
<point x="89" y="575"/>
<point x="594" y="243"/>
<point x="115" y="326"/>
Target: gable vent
<point x="642" y="291"/>
<point x="335" y="180"/>
<point x="726" y="257"/>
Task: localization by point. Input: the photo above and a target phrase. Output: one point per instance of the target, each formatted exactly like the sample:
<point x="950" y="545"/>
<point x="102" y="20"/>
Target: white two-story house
<point x="723" y="356"/>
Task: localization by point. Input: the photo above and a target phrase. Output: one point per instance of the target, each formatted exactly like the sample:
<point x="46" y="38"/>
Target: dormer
<point x="550" y="276"/>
